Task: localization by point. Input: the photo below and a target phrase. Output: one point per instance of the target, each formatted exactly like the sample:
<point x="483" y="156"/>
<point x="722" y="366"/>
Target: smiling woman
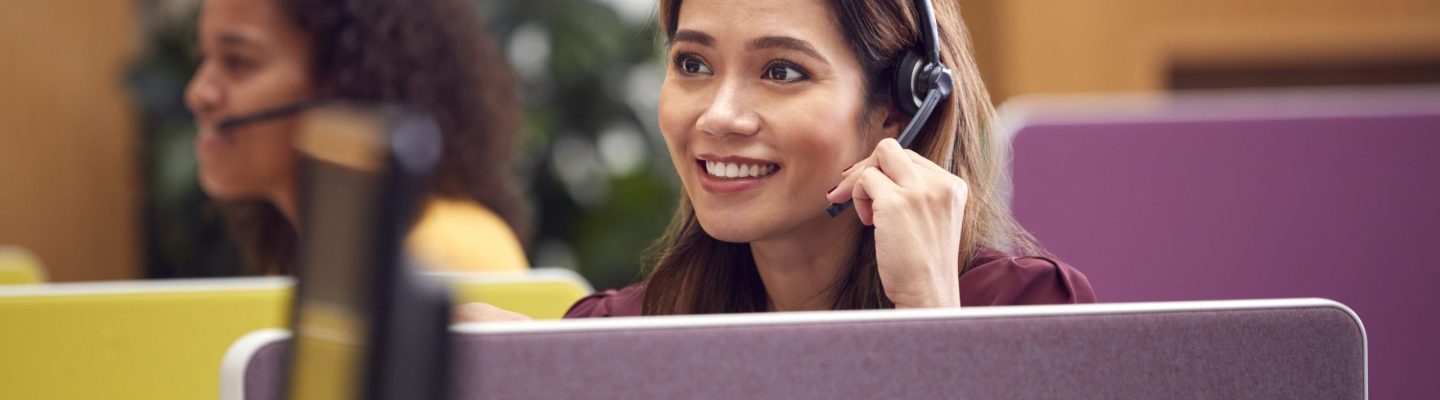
<point x="772" y="111"/>
<point x="434" y="56"/>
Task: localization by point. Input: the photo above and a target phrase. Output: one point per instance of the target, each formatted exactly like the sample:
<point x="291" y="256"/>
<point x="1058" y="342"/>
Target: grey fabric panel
<point x="1310" y="353"/>
<point x="264" y="373"/>
<point x="1307" y="353"/>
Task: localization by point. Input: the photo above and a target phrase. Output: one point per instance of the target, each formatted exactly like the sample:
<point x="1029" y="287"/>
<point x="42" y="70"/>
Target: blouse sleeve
<point x="625" y="302"/>
<point x="1024" y="280"/>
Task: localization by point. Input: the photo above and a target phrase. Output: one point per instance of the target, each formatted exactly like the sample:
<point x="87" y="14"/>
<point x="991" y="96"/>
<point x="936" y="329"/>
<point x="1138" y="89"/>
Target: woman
<point x="431" y="55"/>
<point x="765" y="109"/>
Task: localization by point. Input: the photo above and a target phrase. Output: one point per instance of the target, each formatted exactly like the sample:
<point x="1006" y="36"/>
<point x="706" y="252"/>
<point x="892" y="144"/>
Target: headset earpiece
<point x="908" y="89"/>
<point x="921" y="70"/>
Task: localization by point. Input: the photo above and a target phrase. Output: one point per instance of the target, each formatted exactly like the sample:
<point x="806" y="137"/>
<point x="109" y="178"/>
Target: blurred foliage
<point x="184" y="234"/>
<point x="591" y="158"/>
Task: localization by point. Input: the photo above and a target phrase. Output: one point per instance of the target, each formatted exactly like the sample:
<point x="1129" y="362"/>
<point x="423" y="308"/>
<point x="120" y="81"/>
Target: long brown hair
<point x="433" y="55"/>
<point x="694" y="273"/>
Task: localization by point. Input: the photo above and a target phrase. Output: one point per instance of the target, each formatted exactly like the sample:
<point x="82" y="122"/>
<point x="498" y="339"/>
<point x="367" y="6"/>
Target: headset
<point x="228" y="125"/>
<point x="922" y="81"/>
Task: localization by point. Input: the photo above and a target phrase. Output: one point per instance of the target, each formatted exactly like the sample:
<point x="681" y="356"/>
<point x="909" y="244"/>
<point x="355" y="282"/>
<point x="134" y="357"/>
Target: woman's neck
<point x="800" y="267"/>
<point x="284" y="200"/>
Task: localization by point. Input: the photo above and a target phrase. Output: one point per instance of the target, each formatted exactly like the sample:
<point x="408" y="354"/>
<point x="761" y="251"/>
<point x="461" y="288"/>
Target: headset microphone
<point x="228" y="124"/>
<point x="922" y="81"/>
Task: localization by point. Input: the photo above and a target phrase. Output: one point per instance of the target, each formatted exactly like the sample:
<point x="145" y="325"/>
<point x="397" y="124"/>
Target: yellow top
<point x="19" y="266"/>
<point x="464" y="236"/>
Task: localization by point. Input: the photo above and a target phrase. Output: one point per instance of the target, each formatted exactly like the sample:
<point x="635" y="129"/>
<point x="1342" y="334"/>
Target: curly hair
<point x="433" y="55"/>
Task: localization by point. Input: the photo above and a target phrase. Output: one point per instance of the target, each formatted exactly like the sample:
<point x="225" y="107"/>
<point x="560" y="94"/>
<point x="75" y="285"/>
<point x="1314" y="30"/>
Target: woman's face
<point x="762" y="109"/>
<point x="253" y="58"/>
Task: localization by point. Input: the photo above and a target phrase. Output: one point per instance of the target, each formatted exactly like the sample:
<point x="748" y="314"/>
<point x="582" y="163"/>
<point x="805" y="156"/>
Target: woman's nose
<point x="730" y="113"/>
<point x="202" y="94"/>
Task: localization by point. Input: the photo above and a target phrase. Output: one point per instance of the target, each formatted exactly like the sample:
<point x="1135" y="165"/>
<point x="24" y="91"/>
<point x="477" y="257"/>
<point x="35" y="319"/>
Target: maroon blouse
<point x="994" y="279"/>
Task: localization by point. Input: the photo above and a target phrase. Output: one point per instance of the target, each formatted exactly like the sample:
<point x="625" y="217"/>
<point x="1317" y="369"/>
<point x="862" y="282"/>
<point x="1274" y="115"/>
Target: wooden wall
<point x="68" y="159"/>
<point x="1049" y="46"/>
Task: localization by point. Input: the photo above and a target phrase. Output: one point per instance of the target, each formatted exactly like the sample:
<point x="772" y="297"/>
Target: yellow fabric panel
<point x="140" y="345"/>
<point x="19" y="266"/>
<point x="465" y="236"/>
<point x="165" y="340"/>
<point x="539" y="299"/>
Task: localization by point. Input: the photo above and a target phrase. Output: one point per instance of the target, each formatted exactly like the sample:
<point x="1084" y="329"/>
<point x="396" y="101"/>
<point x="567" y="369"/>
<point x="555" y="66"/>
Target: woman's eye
<point x="784" y="72"/>
<point x="689" y="64"/>
<point x="237" y="64"/>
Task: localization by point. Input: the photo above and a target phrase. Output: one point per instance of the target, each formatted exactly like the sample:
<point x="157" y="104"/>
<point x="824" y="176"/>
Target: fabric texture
<point x="1305" y="353"/>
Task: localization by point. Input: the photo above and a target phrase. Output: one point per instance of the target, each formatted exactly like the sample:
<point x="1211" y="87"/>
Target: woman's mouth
<point x="733" y="174"/>
<point x="737" y="170"/>
<point x="209" y="141"/>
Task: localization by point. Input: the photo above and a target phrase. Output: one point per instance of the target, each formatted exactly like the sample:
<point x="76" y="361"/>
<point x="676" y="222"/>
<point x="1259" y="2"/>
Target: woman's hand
<point x="917" y="209"/>
<point x="481" y="312"/>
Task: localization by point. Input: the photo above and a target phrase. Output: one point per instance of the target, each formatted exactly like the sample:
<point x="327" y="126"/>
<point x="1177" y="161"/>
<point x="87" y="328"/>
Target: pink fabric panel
<point x="1255" y="197"/>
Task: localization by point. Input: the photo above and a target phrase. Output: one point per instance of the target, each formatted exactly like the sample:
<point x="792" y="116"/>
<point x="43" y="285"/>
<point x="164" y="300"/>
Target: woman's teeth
<point x="735" y="170"/>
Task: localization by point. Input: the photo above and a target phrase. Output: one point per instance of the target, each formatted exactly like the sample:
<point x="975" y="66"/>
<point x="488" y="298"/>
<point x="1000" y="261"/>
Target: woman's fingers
<point x="841" y="192"/>
<point x="917" y="208"/>
<point x="872" y="189"/>
<point x="896" y="162"/>
<point x="891" y="160"/>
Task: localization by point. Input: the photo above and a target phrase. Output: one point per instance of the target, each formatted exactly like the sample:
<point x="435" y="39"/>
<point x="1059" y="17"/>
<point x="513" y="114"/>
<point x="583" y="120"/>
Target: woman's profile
<point x="434" y="56"/>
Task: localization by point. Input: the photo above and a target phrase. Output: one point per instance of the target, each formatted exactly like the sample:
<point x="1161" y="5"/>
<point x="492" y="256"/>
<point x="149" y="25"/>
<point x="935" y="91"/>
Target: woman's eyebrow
<point x="697" y="37"/>
<point x="235" y="40"/>
<point x="760" y="43"/>
<point x="788" y="43"/>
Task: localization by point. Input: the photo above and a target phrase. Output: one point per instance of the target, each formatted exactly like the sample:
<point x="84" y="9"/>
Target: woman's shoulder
<point x="997" y="278"/>
<point x="626" y="302"/>
<point x="457" y="235"/>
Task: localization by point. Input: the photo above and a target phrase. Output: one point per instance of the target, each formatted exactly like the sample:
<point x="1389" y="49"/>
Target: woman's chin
<point x="729" y="235"/>
<point x="221" y="189"/>
<point x="732" y="229"/>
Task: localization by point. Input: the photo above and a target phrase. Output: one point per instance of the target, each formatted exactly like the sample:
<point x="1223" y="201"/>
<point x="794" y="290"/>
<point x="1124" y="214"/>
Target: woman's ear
<point x="892" y="121"/>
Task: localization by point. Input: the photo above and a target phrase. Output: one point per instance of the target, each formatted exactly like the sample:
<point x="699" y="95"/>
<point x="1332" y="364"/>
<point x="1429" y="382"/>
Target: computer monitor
<point x="366" y="326"/>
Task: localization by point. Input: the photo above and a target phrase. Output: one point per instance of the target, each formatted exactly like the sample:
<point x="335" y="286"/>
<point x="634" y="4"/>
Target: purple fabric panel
<point x="1255" y="354"/>
<point x="263" y="374"/>
<point x="1346" y="208"/>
